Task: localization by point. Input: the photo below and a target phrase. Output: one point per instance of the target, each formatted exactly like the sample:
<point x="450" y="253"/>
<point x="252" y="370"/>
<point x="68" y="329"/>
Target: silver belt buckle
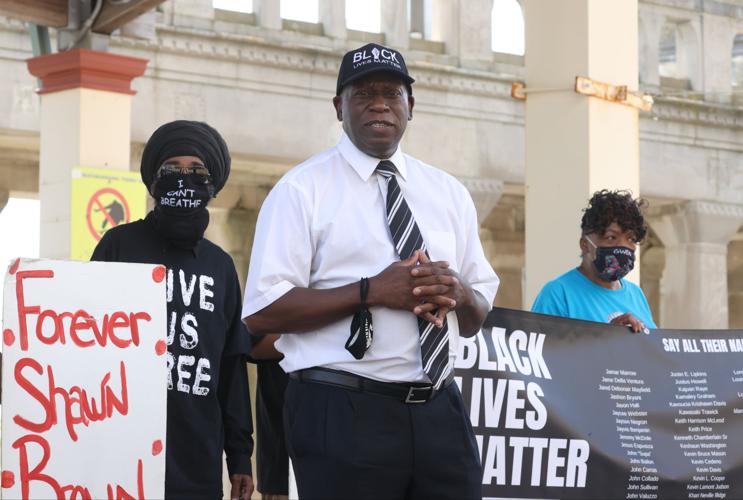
<point x="412" y="399"/>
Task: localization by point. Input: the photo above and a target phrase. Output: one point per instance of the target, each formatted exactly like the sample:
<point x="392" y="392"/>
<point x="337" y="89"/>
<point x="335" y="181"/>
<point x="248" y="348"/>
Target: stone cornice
<point x="722" y="8"/>
<point x="715" y="209"/>
<point x="435" y="75"/>
<point x="12" y="24"/>
<point x="698" y="207"/>
<point x="255" y="49"/>
<point x="698" y="112"/>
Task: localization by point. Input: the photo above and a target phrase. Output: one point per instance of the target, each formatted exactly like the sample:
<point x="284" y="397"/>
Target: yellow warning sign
<point x="102" y="199"/>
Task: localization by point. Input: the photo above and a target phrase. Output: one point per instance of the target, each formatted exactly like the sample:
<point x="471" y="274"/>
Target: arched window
<point x="307" y="11"/>
<point x="667" y="51"/>
<point x="364" y="15"/>
<point x="736" y="75"/>
<point x="678" y="54"/>
<point x="507" y="20"/>
<point x="235" y="5"/>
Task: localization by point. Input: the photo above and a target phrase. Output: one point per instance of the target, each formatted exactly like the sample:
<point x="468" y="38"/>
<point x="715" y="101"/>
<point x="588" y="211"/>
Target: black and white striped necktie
<point x="407" y="239"/>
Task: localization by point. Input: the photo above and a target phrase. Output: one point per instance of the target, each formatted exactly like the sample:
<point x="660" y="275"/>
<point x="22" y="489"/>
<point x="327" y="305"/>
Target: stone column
<point x="575" y="145"/>
<point x="395" y="24"/>
<point x="464" y="27"/>
<point x="649" y="26"/>
<point x="694" y="286"/>
<point x="85" y="121"/>
<point x="718" y="34"/>
<point x="653" y="263"/>
<point x="445" y="23"/>
<point x="268" y="13"/>
<point x="475" y="31"/>
<point x="333" y="17"/>
<point x="197" y="14"/>
<point x="192" y="8"/>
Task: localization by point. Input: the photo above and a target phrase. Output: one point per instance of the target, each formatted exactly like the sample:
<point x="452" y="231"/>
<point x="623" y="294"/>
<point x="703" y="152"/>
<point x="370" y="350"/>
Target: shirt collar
<point x="363" y="164"/>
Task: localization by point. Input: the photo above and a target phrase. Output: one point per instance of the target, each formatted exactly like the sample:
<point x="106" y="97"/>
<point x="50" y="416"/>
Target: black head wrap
<point x="186" y="138"/>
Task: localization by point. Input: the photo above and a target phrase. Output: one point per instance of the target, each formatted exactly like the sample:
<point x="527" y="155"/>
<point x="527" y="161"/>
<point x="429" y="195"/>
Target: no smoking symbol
<point x="107" y="208"/>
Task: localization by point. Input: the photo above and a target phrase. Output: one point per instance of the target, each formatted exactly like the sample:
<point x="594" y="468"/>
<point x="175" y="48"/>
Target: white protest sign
<point x="83" y="380"/>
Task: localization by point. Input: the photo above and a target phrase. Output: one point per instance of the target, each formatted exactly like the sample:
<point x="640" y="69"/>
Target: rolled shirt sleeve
<point x="282" y="248"/>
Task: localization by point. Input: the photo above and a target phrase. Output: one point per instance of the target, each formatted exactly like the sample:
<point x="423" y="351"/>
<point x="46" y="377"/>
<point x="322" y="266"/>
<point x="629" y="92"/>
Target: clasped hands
<point x="428" y="289"/>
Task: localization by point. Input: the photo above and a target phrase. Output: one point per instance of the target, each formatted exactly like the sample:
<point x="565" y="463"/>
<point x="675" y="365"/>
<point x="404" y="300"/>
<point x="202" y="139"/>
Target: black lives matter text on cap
<point x="369" y="59"/>
<point x="376" y="56"/>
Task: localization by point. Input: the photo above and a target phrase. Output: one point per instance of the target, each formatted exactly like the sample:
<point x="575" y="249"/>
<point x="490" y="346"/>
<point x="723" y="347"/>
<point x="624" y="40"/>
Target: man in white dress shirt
<point x="368" y="261"/>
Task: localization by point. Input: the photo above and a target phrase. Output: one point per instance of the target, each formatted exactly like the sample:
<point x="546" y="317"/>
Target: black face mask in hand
<point x="180" y="208"/>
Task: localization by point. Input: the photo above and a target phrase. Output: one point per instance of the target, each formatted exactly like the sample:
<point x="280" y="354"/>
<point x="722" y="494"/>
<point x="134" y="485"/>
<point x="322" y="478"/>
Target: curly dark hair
<point x="607" y="206"/>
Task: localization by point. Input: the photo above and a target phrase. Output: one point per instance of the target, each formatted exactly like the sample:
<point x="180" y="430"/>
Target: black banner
<point x="573" y="409"/>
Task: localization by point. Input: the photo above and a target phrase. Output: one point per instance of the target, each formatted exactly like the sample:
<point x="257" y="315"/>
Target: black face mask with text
<point x="180" y="211"/>
<point x="612" y="263"/>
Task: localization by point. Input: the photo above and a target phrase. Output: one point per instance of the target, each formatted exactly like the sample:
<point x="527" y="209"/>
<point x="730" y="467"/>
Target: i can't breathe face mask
<point x="181" y="194"/>
<point x="180" y="208"/>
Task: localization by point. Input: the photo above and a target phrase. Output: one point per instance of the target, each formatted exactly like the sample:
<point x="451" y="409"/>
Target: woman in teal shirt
<point x="612" y="227"/>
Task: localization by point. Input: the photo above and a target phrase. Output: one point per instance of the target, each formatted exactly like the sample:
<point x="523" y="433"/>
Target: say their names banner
<point x="573" y="409"/>
<point x="84" y="379"/>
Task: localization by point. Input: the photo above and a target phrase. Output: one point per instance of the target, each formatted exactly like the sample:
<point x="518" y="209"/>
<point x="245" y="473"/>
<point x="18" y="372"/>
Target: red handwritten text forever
<point x="119" y="327"/>
<point x="79" y="408"/>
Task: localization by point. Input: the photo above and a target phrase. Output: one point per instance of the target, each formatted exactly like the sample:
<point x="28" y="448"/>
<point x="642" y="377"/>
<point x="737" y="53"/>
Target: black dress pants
<point x="346" y="444"/>
<point x="272" y="462"/>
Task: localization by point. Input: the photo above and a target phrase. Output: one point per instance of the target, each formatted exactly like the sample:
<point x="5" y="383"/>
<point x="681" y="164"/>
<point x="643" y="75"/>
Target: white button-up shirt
<point x="324" y="225"/>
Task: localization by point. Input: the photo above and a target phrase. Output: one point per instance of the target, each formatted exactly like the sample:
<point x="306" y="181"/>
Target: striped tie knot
<point x="386" y="169"/>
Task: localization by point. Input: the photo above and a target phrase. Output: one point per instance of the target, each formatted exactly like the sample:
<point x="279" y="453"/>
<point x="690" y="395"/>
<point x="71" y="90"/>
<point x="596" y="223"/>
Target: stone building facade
<point x="267" y="85"/>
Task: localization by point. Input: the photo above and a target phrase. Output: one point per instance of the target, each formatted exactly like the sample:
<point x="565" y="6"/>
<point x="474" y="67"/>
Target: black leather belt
<point x="410" y="393"/>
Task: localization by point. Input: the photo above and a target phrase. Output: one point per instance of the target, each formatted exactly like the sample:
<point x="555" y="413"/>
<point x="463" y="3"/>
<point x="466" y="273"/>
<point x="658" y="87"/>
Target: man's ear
<point x="411" y="103"/>
<point x="583" y="246"/>
<point x="337" y="103"/>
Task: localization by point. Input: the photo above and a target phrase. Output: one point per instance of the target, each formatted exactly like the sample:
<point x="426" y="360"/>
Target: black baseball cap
<point x="369" y="59"/>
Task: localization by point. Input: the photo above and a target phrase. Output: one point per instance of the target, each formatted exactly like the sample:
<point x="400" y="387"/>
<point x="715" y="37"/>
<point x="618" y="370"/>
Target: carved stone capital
<point x="696" y="221"/>
<point x="486" y="193"/>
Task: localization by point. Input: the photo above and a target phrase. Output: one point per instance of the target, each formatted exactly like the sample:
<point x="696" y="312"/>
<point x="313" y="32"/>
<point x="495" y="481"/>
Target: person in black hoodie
<point x="184" y="165"/>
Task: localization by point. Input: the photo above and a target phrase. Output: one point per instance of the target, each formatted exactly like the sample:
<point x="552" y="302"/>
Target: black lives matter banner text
<point x="573" y="409"/>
